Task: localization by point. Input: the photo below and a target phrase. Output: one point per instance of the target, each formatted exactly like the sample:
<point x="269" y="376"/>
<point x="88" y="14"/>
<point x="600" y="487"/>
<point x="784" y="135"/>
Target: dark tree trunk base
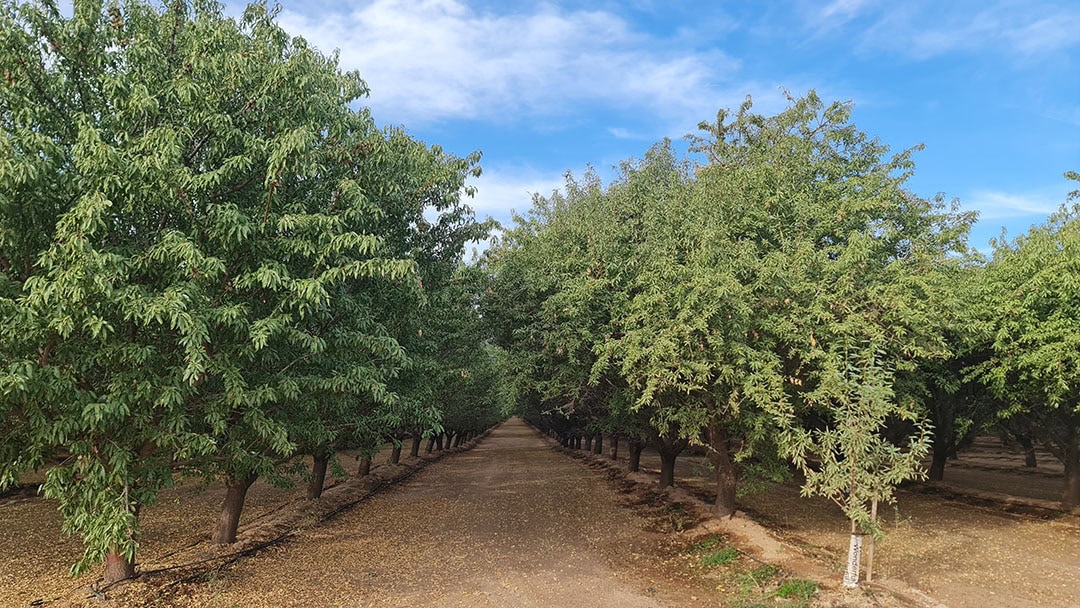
<point x="667" y="469"/>
<point x="414" y="449"/>
<point x="1029" y="450"/>
<point x="726" y="481"/>
<point x="633" y="465"/>
<point x="395" y="454"/>
<point x="229" y="520"/>
<point x="937" y="465"/>
<point x="365" y="466"/>
<point x="1071" y="497"/>
<point x="117" y="567"/>
<point x="318" y="477"/>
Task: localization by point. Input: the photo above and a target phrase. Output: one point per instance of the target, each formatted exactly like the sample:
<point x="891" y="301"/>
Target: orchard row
<point x="211" y="264"/>
<point x="775" y="294"/>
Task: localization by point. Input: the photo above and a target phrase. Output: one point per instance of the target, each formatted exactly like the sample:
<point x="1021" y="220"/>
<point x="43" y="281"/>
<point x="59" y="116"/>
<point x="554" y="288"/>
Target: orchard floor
<point x="35" y="556"/>
<point x="509" y="523"/>
<point x="964" y="554"/>
<point x="515" y="523"/>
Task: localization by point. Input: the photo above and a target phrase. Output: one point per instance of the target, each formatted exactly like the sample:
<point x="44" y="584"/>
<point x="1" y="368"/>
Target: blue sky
<point x="992" y="88"/>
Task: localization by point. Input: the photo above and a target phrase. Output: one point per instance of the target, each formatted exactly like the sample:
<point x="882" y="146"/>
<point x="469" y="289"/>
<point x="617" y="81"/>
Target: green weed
<point x="755" y="579"/>
<point x="797" y="588"/>
<point x="722" y="556"/>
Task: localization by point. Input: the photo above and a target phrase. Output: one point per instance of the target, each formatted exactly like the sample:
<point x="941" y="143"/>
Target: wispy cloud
<point x="997" y="205"/>
<point x="623" y="133"/>
<point x="427" y="60"/>
<point x="928" y="29"/>
<point x="838" y="12"/>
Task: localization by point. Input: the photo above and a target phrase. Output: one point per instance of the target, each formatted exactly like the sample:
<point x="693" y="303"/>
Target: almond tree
<point x="844" y="293"/>
<point x="192" y="255"/>
<point x="1029" y="305"/>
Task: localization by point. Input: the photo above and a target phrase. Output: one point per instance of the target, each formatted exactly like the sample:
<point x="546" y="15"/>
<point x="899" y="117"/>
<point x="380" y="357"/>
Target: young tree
<point x="849" y="461"/>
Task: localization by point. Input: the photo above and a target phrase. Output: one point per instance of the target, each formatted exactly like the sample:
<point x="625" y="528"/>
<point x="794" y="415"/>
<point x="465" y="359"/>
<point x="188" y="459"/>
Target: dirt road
<point x="510" y="523"/>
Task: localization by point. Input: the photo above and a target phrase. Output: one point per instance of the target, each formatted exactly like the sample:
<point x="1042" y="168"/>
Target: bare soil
<point x="35" y="557"/>
<point x="509" y="523"/>
<point x="515" y="523"/>
<point x="959" y="550"/>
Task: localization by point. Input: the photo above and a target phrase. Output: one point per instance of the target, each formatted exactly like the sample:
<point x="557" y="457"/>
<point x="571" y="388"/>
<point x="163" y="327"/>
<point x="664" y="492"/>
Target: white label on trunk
<point x="851" y="577"/>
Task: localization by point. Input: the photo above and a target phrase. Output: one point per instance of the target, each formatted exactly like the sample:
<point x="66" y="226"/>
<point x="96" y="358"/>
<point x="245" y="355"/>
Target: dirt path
<point x="510" y="523"/>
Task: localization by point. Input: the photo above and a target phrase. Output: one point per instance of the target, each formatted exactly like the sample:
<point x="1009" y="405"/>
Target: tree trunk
<point x="318" y="477"/>
<point x="430" y="445"/>
<point x="1029" y="449"/>
<point x="667" y="468"/>
<point x="229" y="520"/>
<point x="613" y="447"/>
<point x="577" y="442"/>
<point x="937" y="464"/>
<point x="1072" y="472"/>
<point x="942" y="445"/>
<point x="365" y="466"/>
<point x="395" y="454"/>
<point x="634" y="464"/>
<point x="439" y="442"/>
<point x="588" y="443"/>
<point x="669" y="449"/>
<point x="118" y="567"/>
<point x="414" y="450"/>
<point x="598" y="445"/>
<point x="725" y="470"/>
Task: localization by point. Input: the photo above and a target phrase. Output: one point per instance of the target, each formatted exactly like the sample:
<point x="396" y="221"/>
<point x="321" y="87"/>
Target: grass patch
<point x="745" y="582"/>
<point x="757" y="578"/>
<point x="719" y="557"/>
<point x="797" y="589"/>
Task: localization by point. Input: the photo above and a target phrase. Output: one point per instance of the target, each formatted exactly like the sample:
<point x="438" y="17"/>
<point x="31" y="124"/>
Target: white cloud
<point x="503" y="190"/>
<point x="839" y="12"/>
<point x="427" y="60"/>
<point x="1048" y="34"/>
<point x="929" y="29"/>
<point x="998" y="205"/>
<point x="623" y="133"/>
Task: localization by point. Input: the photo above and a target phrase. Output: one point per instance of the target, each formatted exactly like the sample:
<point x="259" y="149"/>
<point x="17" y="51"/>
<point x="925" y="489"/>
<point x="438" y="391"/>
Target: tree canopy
<point x="210" y="259"/>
